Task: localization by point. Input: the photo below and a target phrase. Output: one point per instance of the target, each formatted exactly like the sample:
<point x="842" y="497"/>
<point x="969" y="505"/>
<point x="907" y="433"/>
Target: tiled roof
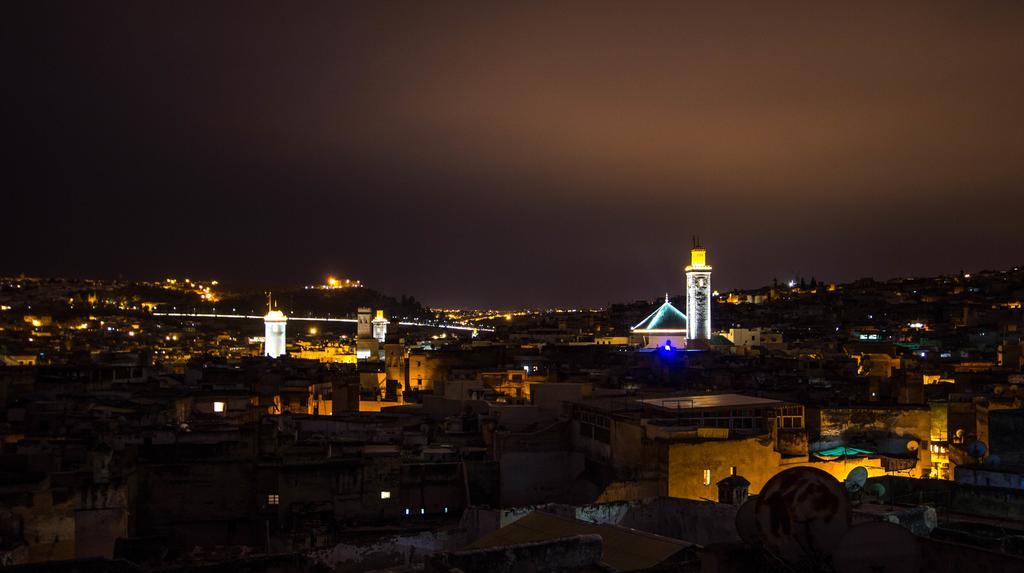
<point x="666" y="318"/>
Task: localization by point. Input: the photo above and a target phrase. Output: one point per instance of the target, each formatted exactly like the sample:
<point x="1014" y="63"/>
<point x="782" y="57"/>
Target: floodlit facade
<point x="380" y="327"/>
<point x="274" y="324"/>
<point x="698" y="294"/>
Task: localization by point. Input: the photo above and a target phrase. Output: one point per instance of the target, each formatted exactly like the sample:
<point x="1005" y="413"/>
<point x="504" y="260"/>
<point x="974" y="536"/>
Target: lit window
<point x="273" y="499"/>
<point x="707" y="477"/>
<point x="422" y="511"/>
<point x="385" y="495"/>
<point x="218" y="407"/>
<point x="407" y="511"/>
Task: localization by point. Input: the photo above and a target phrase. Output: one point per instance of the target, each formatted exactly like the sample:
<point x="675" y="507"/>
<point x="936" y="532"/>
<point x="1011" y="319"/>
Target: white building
<point x="754" y="337"/>
<point x="274" y="331"/>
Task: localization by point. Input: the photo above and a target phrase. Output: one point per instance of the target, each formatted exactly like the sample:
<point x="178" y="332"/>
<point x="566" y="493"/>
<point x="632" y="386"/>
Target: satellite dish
<point x="977" y="448"/>
<point x="959" y="434"/>
<point x="801" y="515"/>
<point x="993" y="460"/>
<point x="856" y="479"/>
<point x="877" y="546"/>
<point x="912" y="446"/>
<point x="876" y="489"/>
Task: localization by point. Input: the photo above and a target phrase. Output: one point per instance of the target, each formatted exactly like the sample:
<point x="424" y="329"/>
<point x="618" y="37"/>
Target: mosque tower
<point x="380" y="327"/>
<point x="698" y="294"/>
<point x="274" y="325"/>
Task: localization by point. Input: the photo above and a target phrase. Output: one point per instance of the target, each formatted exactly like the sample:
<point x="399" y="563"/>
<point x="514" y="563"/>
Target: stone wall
<point x="754" y="458"/>
<point x="694" y="521"/>
<point x="881" y="429"/>
<point x="389" y="551"/>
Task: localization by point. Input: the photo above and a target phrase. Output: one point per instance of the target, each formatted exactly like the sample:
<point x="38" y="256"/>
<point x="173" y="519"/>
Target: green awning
<point x="842" y="451"/>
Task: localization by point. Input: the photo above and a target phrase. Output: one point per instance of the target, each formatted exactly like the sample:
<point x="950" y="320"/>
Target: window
<point x="385" y="495"/>
<point x="218" y="407"/>
<point x="273" y="499"/>
<point x="707" y="477"/>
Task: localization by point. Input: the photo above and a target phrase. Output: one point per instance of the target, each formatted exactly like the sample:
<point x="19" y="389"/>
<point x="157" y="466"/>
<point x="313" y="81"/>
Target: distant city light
<point x="335" y="283"/>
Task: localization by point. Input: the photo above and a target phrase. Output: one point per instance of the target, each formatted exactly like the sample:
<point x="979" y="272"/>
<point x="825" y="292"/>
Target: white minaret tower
<point x="274" y="324"/>
<point x="380" y="327"/>
<point x="698" y="294"/>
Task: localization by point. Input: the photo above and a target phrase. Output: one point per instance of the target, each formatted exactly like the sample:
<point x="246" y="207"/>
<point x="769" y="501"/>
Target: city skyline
<point x="557" y="287"/>
<point x="483" y="156"/>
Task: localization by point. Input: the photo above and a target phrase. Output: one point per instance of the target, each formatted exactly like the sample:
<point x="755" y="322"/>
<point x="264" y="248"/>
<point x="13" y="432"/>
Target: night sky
<point x="533" y="154"/>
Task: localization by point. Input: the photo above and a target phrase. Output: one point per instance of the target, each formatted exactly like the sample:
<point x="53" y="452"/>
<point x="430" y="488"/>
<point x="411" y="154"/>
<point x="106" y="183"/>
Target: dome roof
<point x="666" y="319"/>
<point x="275" y="315"/>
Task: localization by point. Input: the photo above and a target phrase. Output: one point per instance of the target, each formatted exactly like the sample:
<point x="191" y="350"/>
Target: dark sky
<point x="527" y="154"/>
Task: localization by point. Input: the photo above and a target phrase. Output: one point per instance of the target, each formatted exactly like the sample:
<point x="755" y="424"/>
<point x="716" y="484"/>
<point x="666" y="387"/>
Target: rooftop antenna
<point x="270" y="301"/>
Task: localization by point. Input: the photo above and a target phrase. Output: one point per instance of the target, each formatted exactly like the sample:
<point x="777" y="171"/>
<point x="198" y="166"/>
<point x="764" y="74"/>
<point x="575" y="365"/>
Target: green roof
<point x="843" y="451"/>
<point x="666" y="318"/>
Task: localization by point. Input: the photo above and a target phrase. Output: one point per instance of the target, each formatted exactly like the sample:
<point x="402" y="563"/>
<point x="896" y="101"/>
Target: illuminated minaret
<point x="698" y="294"/>
<point x="274" y="323"/>
<point x="380" y="327"/>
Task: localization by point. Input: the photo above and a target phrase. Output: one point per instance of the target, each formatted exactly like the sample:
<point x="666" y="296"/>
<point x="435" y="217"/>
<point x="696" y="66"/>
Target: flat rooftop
<point x="709" y="401"/>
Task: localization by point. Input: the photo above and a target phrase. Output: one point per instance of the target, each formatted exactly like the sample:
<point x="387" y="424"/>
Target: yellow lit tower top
<point x="698" y="258"/>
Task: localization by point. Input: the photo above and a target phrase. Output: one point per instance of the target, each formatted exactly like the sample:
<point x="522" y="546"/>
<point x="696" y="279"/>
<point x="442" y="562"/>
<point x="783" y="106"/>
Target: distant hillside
<point x="321" y="302"/>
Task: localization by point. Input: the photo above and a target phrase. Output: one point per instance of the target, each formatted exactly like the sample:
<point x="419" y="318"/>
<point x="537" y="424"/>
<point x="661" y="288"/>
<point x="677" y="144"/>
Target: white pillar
<point x="698" y="296"/>
<point x="274" y="333"/>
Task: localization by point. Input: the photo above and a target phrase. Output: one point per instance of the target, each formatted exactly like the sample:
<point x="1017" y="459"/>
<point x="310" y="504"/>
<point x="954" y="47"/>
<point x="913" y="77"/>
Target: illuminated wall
<point x="698" y="296"/>
<point x="274" y="332"/>
<point x="380" y="327"/>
